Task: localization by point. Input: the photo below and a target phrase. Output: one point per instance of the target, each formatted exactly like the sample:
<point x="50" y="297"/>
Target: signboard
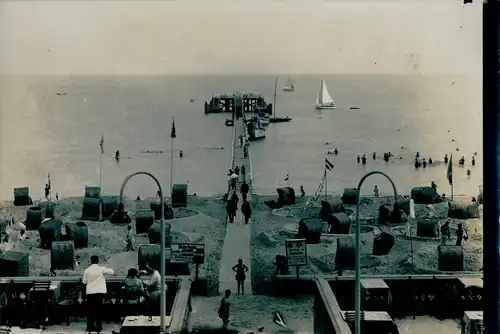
<point x="187" y="253"/>
<point x="296" y="252"/>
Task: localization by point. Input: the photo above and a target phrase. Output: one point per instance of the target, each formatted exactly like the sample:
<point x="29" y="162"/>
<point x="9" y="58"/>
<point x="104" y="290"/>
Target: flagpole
<point x="100" y="169"/>
<point x="171" y="166"/>
<point x="326" y="184"/>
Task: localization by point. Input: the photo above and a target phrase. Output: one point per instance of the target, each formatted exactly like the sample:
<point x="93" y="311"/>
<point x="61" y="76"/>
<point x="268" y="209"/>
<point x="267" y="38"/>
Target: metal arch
<point x="357" y="300"/>
<point x="162" y="244"/>
<point x="140" y="173"/>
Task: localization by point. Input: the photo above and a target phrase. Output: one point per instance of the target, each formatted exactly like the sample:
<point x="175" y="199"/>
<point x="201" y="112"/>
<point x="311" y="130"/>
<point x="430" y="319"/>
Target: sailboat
<point x="324" y="100"/>
<point x="289" y="87"/>
<point x="275" y="119"/>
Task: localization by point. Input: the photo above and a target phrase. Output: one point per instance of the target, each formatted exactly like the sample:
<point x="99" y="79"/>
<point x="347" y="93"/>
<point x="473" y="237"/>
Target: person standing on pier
<point x="243" y="173"/>
<point x="229" y="209"/>
<point x="246" y="209"/>
<point x="445" y="233"/>
<point x="235" y="200"/>
<point x="95" y="282"/>
<point x="240" y="269"/>
<point x="461" y="235"/>
<point x="244" y="190"/>
<point x="130" y="239"/>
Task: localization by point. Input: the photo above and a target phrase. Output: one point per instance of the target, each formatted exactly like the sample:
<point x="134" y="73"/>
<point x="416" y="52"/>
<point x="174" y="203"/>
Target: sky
<point x="240" y="37"/>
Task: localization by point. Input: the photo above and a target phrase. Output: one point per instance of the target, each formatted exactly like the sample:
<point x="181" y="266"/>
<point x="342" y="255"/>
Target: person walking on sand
<point x="246" y="210"/>
<point x="240" y="269"/>
<point x="224" y="309"/>
<point x="244" y="190"/>
<point x="445" y="233"/>
<point x="461" y="235"/>
<point x="130" y="239"/>
<point x="95" y="282"/>
<point x="375" y="191"/>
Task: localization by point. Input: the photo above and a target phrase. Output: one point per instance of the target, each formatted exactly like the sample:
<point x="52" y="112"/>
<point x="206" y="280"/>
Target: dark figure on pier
<point x="446" y="158"/>
<point x="233" y="178"/>
<point x="117" y="155"/>
<point x="138" y="198"/>
<point x="52" y="272"/>
<point x="181" y="154"/>
<point x="244" y="190"/>
<point x="240" y="269"/>
<point x="245" y="152"/>
<point x="461" y="235"/>
<point x="235" y="199"/>
<point x="230" y="210"/>
<point x="468" y="172"/>
<point x="363" y="159"/>
<point x="473" y="161"/>
<point x="473" y="200"/>
<point x="430" y="161"/>
<point x="246" y="209"/>
<point x="383" y="214"/>
<point x="237" y="170"/>
<point x="243" y="173"/>
<point x="358" y="159"/>
<point x="461" y="162"/>
<point x="433" y="185"/>
<point x="445" y="233"/>
<point x="47" y="191"/>
<point x="241" y="140"/>
<point x="374" y="155"/>
<point x="57" y="196"/>
<point x="335" y="151"/>
<point x="424" y="163"/>
<point x="230" y="172"/>
<point x="302" y="191"/>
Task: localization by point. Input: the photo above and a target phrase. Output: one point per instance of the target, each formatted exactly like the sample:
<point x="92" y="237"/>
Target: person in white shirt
<point x="95" y="282"/>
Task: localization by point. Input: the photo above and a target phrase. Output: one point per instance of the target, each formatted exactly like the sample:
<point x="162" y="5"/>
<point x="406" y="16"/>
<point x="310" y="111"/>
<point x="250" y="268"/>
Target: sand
<point x="279" y="225"/>
<point x="270" y="229"/>
<point x="108" y="241"/>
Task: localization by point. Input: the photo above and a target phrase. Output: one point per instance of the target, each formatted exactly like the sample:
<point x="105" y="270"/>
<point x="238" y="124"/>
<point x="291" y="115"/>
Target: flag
<point x="449" y="172"/>
<point x="287" y="177"/>
<point x="328" y="164"/>
<point x="101" y="143"/>
<point x="172" y="133"/>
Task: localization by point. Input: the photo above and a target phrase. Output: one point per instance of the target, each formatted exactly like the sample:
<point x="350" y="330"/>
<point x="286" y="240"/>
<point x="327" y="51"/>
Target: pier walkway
<point x="237" y="240"/>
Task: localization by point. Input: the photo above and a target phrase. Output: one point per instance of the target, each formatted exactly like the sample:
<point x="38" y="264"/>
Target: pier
<point x="238" y="234"/>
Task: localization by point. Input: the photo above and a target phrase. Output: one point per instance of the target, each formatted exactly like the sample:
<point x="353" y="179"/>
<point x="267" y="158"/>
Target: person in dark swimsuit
<point x="240" y="270"/>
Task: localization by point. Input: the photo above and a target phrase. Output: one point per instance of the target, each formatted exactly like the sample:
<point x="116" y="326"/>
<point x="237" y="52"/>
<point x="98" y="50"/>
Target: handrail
<point x="71" y="279"/>
<point x="332" y="306"/>
<point x="384" y="277"/>
<point x="181" y="307"/>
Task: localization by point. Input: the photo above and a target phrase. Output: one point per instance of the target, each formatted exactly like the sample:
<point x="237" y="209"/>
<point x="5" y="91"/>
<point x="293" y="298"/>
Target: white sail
<point x="289" y="85"/>
<point x="324" y="97"/>
<point x="324" y="100"/>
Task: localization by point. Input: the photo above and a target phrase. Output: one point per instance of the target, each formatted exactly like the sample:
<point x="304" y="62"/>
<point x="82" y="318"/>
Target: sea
<point x="44" y="133"/>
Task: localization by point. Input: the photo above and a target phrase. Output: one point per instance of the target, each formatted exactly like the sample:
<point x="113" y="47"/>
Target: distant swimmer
<point x="358" y="159"/>
<point x="475" y="153"/>
<point x="363" y="159"/>
<point x="446" y="158"/>
<point x="468" y="172"/>
<point x="117" y="155"/>
<point x="417" y="163"/>
<point x="424" y="163"/>
<point x="374" y="155"/>
<point x="473" y="161"/>
<point x="192" y="100"/>
<point x="461" y="162"/>
<point x="417" y="155"/>
<point x="430" y="161"/>
<point x="386" y="157"/>
<point x="335" y="151"/>
<point x="330" y="152"/>
<point x="181" y="154"/>
<point x="61" y="94"/>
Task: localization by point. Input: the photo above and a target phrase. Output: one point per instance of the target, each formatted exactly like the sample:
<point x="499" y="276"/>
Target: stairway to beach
<point x="237" y="240"/>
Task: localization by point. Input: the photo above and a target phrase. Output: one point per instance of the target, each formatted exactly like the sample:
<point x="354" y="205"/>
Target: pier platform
<point x="237" y="240"/>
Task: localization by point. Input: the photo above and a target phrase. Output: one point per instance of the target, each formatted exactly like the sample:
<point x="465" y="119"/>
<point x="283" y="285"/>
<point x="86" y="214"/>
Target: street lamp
<point x="121" y="217"/>
<point x="357" y="297"/>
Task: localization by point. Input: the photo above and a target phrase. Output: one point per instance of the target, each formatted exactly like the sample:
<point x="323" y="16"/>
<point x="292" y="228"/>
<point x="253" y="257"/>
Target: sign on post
<point x="296" y="253"/>
<point x="187" y="253"/>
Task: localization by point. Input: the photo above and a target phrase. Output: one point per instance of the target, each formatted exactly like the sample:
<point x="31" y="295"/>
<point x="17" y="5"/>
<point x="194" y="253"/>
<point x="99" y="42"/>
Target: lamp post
<point x="357" y="298"/>
<point x="120" y="216"/>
